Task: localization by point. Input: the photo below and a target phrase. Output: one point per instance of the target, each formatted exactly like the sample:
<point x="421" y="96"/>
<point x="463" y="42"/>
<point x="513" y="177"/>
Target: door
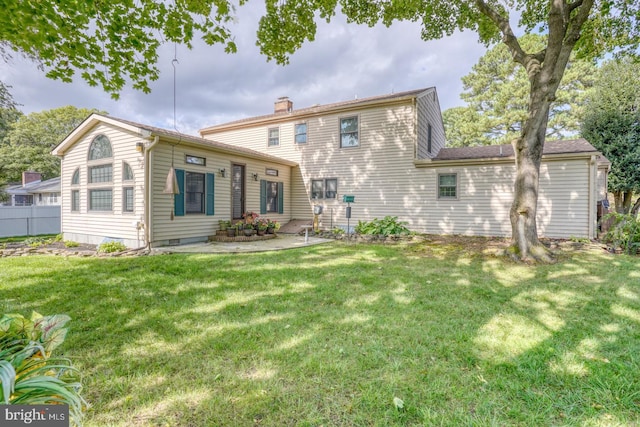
<point x="237" y="191"/>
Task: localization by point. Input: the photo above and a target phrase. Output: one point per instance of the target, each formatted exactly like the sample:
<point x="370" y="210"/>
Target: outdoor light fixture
<point x="139" y="147"/>
<point x="255" y="176"/>
<point x="223" y="172"/>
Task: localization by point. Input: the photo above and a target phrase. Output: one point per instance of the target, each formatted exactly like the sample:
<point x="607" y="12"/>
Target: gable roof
<point x="49" y="186"/>
<point x="572" y="146"/>
<point x="320" y="109"/>
<point x="149" y="132"/>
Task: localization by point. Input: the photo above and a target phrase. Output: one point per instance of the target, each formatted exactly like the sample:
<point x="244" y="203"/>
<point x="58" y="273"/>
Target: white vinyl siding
<point x="85" y="225"/>
<point x="192" y="227"/>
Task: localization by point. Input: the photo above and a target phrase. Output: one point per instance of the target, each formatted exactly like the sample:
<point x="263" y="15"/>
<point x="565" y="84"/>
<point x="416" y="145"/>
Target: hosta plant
<point x="29" y="374"/>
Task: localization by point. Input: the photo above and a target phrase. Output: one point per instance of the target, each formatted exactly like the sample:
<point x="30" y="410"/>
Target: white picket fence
<point x="29" y="220"/>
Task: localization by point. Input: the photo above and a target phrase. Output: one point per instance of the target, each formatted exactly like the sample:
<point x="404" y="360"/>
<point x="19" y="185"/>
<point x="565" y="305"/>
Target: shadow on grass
<point x="330" y="335"/>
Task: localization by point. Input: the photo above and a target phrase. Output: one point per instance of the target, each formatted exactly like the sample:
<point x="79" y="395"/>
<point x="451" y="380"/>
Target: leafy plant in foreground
<point x="29" y="375"/>
<point x="387" y="226"/>
<point x="110" y="247"/>
<point x="624" y="232"/>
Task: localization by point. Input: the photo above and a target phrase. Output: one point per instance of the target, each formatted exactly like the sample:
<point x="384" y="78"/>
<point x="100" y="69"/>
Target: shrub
<point x="624" y="232"/>
<point x="387" y="226"/>
<point x="35" y="242"/>
<point x="71" y="244"/>
<point x="110" y="247"/>
<point x="28" y="373"/>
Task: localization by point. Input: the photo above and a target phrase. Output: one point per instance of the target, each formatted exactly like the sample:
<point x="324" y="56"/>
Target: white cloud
<point x="344" y="61"/>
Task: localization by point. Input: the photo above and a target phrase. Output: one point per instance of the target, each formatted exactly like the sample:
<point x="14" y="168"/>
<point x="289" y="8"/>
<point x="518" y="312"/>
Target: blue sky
<point x="345" y="61"/>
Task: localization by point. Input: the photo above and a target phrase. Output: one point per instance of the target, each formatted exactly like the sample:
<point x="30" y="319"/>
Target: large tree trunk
<point x="525" y="244"/>
<point x="622" y="200"/>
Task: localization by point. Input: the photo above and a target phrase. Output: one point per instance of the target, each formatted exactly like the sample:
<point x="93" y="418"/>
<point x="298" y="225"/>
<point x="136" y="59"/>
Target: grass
<point x="15" y="239"/>
<point x="330" y="335"/>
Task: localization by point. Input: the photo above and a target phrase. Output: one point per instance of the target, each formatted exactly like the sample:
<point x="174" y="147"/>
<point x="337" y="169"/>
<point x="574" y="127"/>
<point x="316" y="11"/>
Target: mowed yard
<point x="429" y="333"/>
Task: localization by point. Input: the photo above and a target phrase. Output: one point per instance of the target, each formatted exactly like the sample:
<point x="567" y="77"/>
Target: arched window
<point x="127" y="172"/>
<point x="100" y="148"/>
<point x="75" y="179"/>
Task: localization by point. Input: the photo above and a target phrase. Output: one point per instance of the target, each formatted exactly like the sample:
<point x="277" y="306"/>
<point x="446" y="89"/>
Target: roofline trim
<point x="319" y="110"/>
<point x="429" y="163"/>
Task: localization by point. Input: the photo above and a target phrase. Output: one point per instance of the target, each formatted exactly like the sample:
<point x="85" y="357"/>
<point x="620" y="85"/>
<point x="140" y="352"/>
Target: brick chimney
<point x="28" y="177"/>
<point x="283" y="105"/>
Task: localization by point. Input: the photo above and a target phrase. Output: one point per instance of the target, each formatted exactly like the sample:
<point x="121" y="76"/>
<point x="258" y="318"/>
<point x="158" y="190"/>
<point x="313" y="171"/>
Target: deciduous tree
<point x="31" y="139"/>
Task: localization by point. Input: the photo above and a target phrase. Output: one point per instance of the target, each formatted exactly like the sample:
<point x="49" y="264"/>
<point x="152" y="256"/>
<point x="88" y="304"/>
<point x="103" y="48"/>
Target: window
<point x="194" y="192"/>
<point x="324" y="188"/>
<point x="448" y="186"/>
<point x="271" y="172"/>
<point x="53" y="197"/>
<point x="429" y="137"/>
<point x="101" y="173"/>
<point x="100" y="148"/>
<point x="195" y="160"/>
<point x="331" y="188"/>
<point x="274" y="137"/>
<point x="100" y="200"/>
<point x="301" y="133"/>
<point x="349" y="132"/>
<point x="75" y="179"/>
<point x="127" y="172"/>
<point x="75" y="200"/>
<point x="272" y="197"/>
<point x="127" y="199"/>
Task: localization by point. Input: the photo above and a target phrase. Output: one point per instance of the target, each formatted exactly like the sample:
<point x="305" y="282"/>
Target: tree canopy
<point x="496" y="92"/>
<point x="612" y="125"/>
<point x="31" y="138"/>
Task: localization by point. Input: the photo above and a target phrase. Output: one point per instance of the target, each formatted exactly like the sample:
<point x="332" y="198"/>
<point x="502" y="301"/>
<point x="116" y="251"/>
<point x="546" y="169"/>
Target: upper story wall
<point x="431" y="137"/>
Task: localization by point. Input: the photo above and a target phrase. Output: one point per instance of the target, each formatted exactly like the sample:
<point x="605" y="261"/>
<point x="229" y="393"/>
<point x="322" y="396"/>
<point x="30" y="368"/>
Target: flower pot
<point x="261" y="232"/>
<point x="231" y="232"/>
<point x="248" y="232"/>
<point x="271" y="230"/>
<point x="223" y="225"/>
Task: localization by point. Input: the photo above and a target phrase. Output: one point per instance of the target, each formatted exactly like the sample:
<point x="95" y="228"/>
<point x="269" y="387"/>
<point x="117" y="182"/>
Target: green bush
<point x="387" y="226"/>
<point x="624" y="232"/>
<point x="110" y="247"/>
<point x="29" y="375"/>
<point x="71" y="244"/>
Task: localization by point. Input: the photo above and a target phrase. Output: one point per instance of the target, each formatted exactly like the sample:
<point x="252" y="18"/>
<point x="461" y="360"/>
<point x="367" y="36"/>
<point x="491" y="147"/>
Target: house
<point x="113" y="175"/>
<point x="33" y="191"/>
<point x="388" y="152"/>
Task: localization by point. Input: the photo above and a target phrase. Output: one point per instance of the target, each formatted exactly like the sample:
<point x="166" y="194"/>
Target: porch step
<point x="294" y="226"/>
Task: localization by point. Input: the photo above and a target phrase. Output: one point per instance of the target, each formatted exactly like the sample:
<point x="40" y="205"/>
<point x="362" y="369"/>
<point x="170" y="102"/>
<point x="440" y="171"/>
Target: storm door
<point x="237" y="191"/>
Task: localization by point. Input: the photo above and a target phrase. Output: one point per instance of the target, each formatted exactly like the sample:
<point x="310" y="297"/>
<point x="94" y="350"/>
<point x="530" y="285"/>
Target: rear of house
<point x="389" y="152"/>
<point x="113" y="178"/>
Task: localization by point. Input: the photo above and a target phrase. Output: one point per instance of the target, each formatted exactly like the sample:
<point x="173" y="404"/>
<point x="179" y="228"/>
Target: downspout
<point x="593" y="188"/>
<point x="148" y="193"/>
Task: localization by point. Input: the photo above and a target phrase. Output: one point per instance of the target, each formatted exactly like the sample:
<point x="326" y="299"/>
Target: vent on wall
<point x="174" y="242"/>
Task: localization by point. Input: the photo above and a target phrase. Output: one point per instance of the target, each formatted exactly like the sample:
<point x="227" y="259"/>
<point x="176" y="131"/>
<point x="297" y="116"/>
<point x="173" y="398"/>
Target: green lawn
<point x="330" y="335"/>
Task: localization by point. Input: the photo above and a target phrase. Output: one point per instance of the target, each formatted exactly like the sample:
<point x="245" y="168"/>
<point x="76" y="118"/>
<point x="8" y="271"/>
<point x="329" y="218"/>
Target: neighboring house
<point x="113" y="179"/>
<point x="33" y="191"/>
<point x="387" y="151"/>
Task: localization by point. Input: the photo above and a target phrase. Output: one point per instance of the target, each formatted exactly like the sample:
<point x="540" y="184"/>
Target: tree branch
<point x="505" y="28"/>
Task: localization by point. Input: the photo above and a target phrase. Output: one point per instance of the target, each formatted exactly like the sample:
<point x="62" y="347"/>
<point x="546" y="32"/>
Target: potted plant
<point x="262" y="226"/>
<point x="224" y="224"/>
<point x="272" y="226"/>
<point x="231" y="230"/>
<point x="248" y="229"/>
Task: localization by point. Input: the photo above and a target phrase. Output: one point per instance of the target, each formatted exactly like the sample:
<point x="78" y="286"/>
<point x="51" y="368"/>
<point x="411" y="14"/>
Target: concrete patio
<point x="282" y="241"/>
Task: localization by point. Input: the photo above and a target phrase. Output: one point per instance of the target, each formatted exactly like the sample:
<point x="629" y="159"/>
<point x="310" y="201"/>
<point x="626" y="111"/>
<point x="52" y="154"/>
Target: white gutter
<point x="148" y="193"/>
